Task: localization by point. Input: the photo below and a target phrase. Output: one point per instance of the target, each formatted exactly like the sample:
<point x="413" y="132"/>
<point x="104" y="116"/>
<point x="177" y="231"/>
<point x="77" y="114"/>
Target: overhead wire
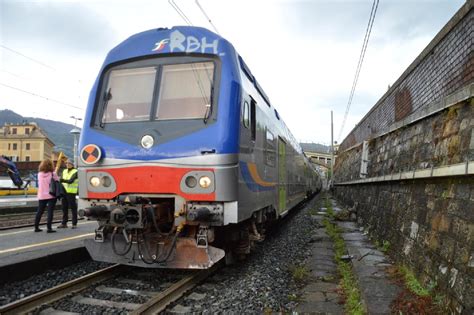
<point x="39" y="62"/>
<point x="23" y="78"/>
<point x="180" y="12"/>
<point x="29" y="58"/>
<point x="207" y="17"/>
<point x="368" y="31"/>
<point x="40" y="96"/>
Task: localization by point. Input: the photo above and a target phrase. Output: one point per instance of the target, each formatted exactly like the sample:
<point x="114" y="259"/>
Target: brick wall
<point x="423" y="128"/>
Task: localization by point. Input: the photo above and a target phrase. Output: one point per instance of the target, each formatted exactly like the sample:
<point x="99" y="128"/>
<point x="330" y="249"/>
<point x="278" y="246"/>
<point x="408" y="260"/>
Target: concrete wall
<point x="418" y="189"/>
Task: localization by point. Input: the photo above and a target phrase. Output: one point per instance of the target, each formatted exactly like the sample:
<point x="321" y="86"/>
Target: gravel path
<point x="263" y="282"/>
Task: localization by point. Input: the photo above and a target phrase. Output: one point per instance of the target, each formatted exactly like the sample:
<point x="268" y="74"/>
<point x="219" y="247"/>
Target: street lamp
<point x="75" y="132"/>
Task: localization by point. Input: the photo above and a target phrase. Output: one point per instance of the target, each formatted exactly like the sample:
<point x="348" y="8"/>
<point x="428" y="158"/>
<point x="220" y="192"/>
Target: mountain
<point x="57" y="131"/>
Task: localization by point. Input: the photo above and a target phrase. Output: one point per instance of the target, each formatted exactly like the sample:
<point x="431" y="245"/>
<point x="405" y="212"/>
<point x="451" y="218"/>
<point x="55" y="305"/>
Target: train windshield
<point x="166" y="92"/>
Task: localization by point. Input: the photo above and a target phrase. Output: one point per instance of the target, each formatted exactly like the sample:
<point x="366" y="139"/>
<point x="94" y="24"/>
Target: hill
<point x="57" y="131"/>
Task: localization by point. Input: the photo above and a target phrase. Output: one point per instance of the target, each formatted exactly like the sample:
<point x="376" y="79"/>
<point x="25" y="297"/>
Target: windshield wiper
<point x="208" y="112"/>
<point x="107" y="97"/>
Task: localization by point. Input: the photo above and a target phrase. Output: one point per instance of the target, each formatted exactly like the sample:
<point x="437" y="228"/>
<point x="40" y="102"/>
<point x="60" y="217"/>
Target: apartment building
<point x="25" y="142"/>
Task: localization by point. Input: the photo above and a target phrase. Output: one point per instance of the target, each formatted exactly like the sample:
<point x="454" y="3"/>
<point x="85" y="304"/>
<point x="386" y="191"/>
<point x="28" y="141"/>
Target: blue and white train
<point x="183" y="159"/>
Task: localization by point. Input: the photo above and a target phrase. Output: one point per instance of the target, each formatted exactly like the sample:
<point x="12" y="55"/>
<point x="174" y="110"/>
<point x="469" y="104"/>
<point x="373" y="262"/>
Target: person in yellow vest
<point x="70" y="184"/>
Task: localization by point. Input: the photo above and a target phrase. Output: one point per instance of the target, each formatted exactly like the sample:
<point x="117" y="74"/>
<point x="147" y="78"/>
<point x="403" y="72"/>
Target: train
<point x="183" y="160"/>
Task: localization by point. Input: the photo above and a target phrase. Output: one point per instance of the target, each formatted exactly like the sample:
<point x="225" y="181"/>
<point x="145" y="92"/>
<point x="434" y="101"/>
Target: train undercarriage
<point x="159" y="231"/>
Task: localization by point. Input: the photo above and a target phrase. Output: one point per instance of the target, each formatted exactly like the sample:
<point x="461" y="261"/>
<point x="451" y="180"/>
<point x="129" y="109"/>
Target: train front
<point x="158" y="162"/>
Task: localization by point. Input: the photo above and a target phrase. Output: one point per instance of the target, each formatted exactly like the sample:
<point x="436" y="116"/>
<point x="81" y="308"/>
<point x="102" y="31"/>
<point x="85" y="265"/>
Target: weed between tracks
<point x="349" y="285"/>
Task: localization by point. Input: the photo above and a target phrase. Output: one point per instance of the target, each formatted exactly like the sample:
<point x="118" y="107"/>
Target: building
<point x="25" y="142"/>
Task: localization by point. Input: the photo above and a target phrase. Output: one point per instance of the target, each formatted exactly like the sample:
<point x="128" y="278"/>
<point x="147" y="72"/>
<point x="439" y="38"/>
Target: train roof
<point x="178" y="39"/>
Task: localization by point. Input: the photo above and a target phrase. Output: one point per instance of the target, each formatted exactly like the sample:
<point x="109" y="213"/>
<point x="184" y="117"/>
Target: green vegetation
<point x="349" y="284"/>
<point x="384" y="247"/>
<point x="330" y="211"/>
<point x="412" y="283"/>
<point x="299" y="273"/>
<point x="293" y="298"/>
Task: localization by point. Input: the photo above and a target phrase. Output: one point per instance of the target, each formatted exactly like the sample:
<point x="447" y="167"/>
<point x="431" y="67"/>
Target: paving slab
<point x="368" y="265"/>
<point x="320" y="295"/>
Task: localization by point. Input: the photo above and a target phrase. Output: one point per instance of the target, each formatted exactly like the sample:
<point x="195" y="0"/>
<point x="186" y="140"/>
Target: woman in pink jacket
<point x="46" y="171"/>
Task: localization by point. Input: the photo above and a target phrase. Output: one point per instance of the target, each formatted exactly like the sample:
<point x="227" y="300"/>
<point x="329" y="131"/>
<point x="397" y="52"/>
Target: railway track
<point x="21" y="220"/>
<point x="156" y="301"/>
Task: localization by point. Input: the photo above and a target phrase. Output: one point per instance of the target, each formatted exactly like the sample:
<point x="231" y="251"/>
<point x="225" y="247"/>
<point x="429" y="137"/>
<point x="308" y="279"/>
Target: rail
<point x="34" y="301"/>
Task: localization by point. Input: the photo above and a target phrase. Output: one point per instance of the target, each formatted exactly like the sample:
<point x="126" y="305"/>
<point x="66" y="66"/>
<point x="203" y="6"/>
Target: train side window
<point x="253" y="119"/>
<point x="276" y="115"/>
<point x="270" y="149"/>
<point x="246" y="115"/>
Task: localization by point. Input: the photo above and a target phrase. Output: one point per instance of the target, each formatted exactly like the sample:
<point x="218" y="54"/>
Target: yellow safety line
<point x="30" y="231"/>
<point x="45" y="243"/>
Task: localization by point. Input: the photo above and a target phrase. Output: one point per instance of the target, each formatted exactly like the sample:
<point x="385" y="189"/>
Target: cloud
<point x="64" y="25"/>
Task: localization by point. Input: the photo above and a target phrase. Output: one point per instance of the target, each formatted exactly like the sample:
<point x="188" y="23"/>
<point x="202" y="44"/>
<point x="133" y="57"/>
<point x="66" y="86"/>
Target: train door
<point x="282" y="175"/>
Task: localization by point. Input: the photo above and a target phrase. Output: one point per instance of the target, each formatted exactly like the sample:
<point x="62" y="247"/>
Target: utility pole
<point x="332" y="155"/>
<point x="75" y="132"/>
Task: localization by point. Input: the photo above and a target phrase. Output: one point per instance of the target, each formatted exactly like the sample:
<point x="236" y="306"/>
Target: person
<point x="45" y="199"/>
<point x="69" y="181"/>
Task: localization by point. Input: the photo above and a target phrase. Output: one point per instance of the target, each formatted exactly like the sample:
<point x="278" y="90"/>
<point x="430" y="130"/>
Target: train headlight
<point x="106" y="181"/>
<point x="147" y="141"/>
<point x="94" y="181"/>
<point x="191" y="181"/>
<point x="205" y="181"/>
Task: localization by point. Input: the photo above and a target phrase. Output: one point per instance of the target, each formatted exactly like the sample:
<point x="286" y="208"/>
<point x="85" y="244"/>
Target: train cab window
<point x="246" y="115"/>
<point x="185" y="91"/>
<point x="253" y="119"/>
<point x="129" y="95"/>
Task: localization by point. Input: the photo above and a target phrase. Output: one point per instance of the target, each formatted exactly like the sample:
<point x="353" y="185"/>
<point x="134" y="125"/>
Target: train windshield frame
<point x="171" y="95"/>
<point x="162" y="92"/>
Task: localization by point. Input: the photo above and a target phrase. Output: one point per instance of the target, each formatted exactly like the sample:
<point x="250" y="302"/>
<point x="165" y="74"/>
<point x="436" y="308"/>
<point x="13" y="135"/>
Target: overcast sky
<point x="303" y="52"/>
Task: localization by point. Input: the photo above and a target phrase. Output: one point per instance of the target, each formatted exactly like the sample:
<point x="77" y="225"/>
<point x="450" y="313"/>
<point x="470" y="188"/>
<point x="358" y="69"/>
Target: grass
<point x="299" y="273"/>
<point x="384" y="247"/>
<point x="353" y="302"/>
<point x="412" y="283"/>
<point x="329" y="209"/>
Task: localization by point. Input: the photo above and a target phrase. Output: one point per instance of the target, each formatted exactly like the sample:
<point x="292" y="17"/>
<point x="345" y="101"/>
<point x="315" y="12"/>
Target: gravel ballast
<point x="263" y="282"/>
<point x="17" y="290"/>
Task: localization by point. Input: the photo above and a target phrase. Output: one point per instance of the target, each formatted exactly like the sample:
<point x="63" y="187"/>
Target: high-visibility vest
<point x="70" y="188"/>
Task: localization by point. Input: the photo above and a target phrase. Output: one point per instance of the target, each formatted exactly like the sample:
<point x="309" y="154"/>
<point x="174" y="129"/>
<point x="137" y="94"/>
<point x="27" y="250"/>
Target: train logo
<point x="160" y="45"/>
<point x="179" y="42"/>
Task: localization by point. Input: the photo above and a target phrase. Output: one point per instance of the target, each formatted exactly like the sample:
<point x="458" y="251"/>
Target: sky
<point x="304" y="53"/>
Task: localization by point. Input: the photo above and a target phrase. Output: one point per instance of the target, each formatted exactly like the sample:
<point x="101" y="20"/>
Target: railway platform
<point x="23" y="250"/>
<point x="18" y="201"/>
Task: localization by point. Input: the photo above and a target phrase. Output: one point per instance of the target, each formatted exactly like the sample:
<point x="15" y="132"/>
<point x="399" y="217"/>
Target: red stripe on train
<point x="149" y="180"/>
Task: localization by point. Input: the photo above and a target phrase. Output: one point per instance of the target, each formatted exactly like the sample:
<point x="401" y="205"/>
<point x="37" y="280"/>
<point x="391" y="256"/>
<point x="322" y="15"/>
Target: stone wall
<point x="417" y="192"/>
<point x="445" y="66"/>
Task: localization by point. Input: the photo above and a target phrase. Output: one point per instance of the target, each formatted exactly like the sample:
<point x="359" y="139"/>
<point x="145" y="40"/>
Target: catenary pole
<point x="332" y="155"/>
